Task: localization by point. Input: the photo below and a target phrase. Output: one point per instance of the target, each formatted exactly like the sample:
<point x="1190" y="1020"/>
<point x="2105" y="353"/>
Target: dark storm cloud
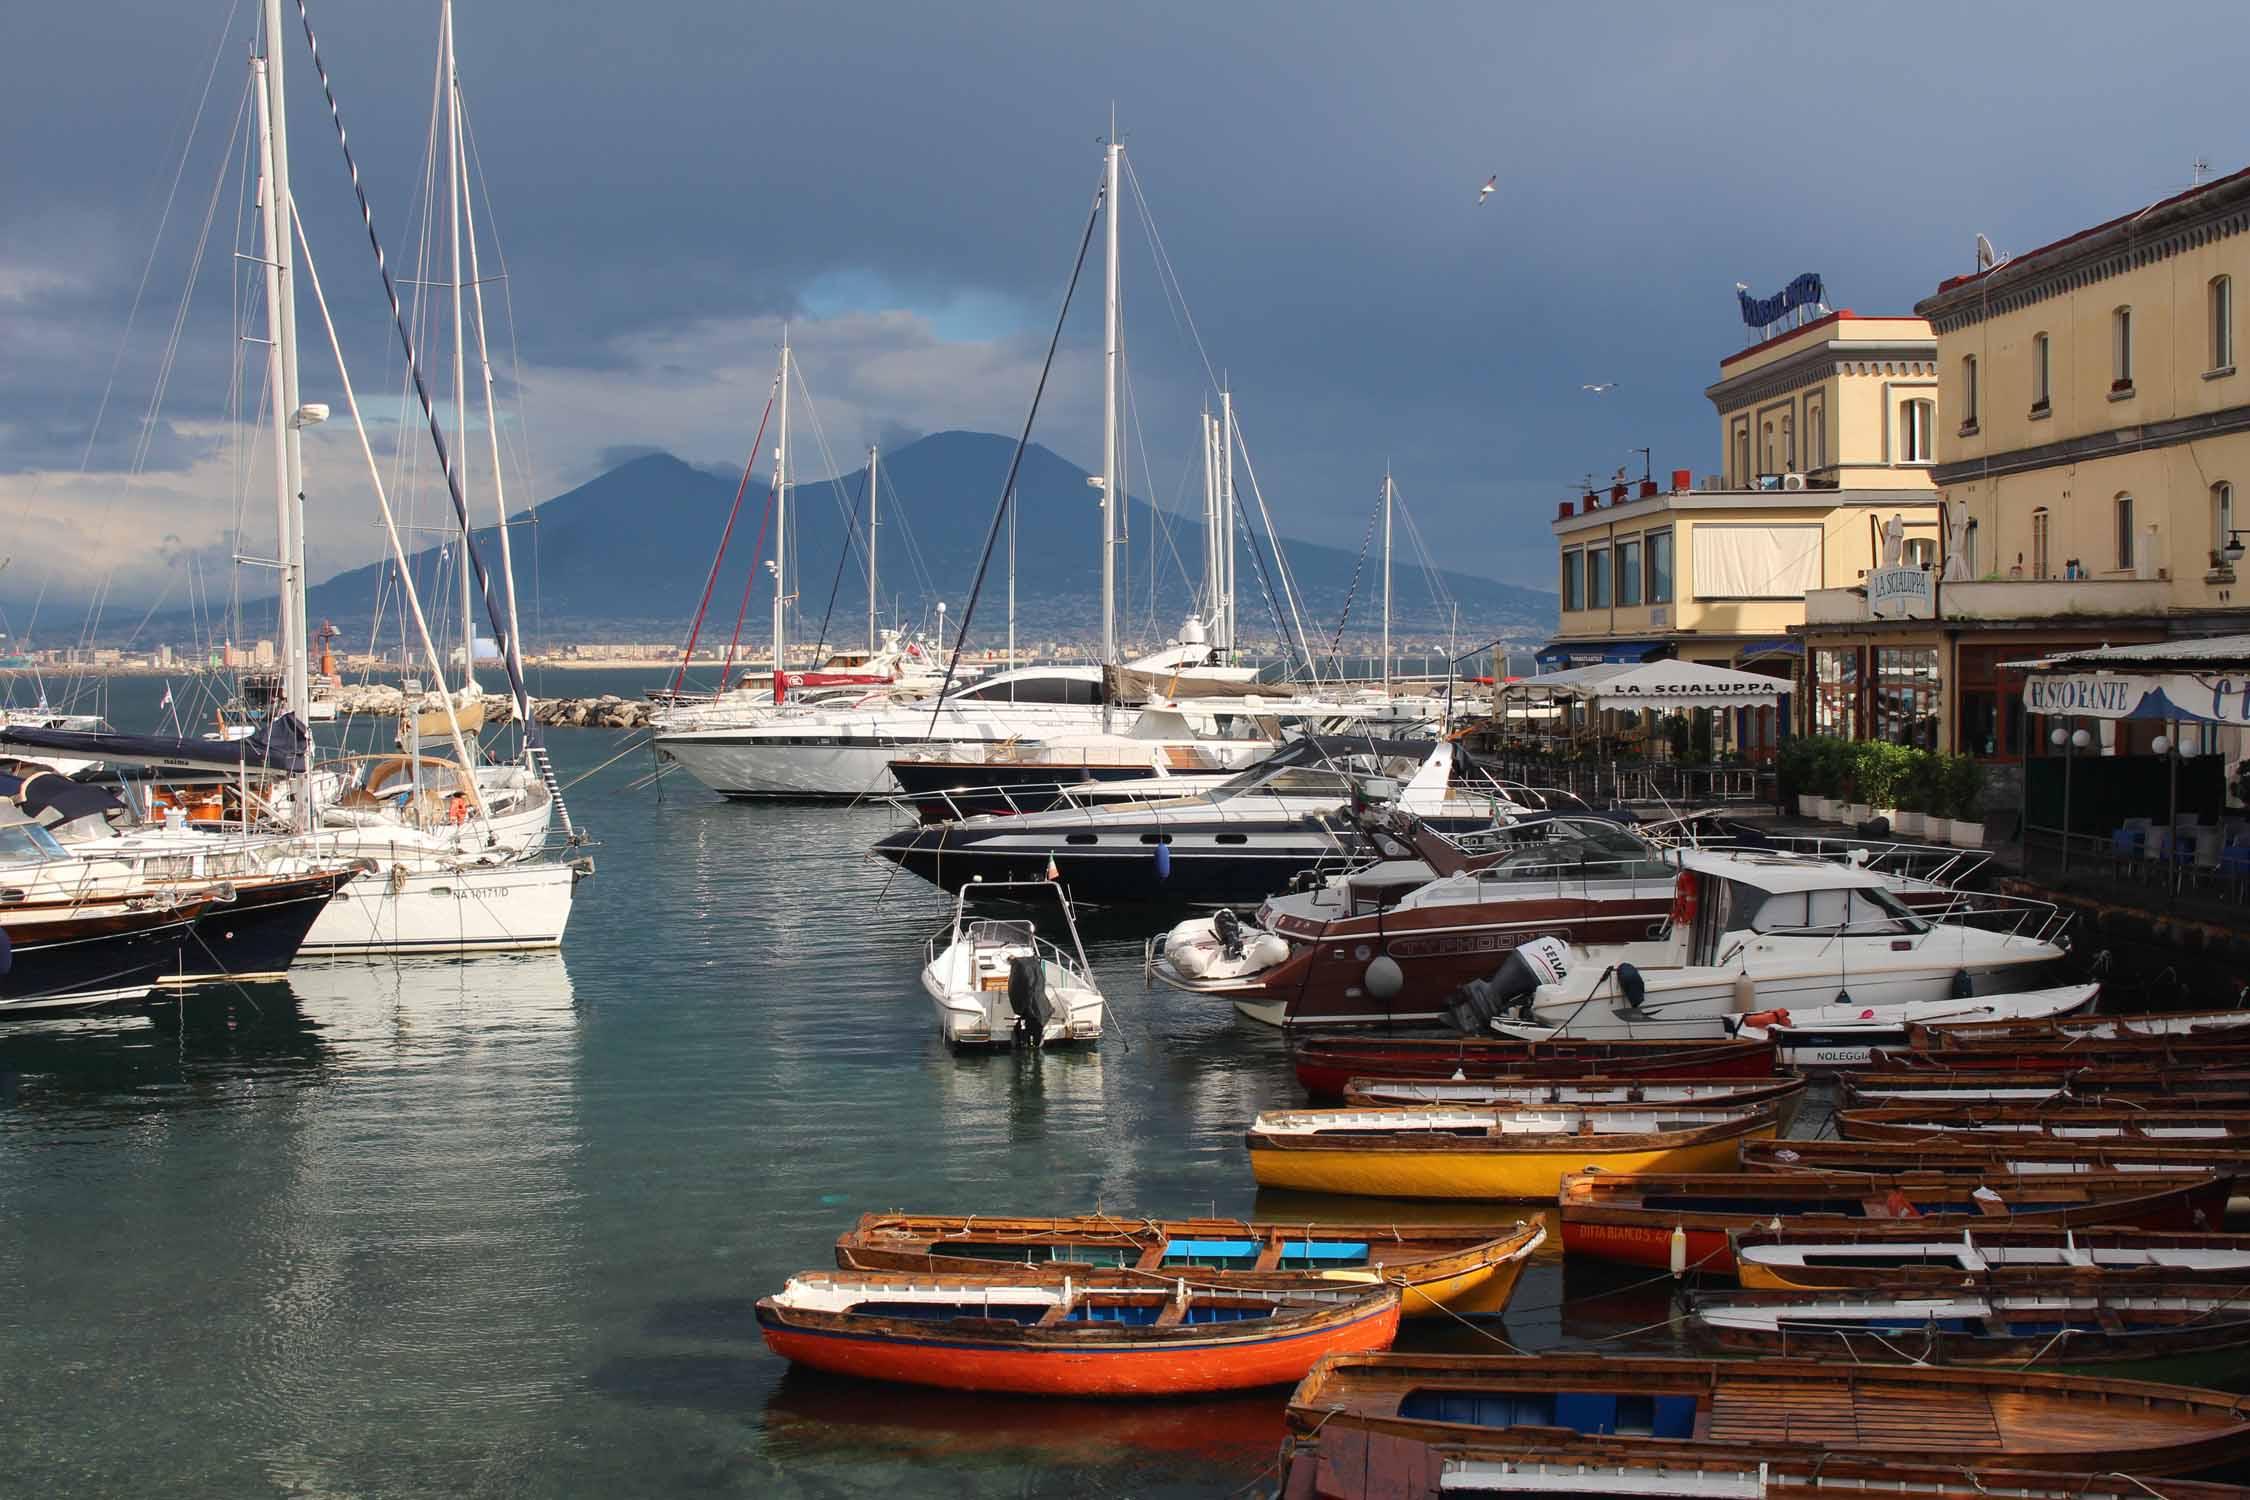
<point x="670" y="181"/>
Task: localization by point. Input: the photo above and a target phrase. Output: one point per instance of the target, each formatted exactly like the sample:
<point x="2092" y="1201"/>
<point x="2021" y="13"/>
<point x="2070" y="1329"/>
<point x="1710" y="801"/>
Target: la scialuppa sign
<point x="1905" y="592"/>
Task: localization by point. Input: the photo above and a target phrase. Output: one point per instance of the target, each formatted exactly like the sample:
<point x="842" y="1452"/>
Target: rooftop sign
<point x="1763" y="312"/>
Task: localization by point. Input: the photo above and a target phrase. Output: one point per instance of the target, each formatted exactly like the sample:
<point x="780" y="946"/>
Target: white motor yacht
<point x="1825" y="957"/>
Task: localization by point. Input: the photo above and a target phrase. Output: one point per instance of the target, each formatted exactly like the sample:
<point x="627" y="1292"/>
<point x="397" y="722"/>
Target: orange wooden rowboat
<point x="1467" y="1267"/>
<point x="1040" y="1336"/>
<point x="1693" y="1409"/>
<point x="1968" y="1151"/>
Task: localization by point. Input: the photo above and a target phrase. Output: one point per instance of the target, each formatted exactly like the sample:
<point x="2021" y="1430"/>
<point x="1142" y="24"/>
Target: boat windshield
<point x="1587" y="850"/>
<point x="28" y="844"/>
<point x="1857" y="911"/>
<point x="1331" y="779"/>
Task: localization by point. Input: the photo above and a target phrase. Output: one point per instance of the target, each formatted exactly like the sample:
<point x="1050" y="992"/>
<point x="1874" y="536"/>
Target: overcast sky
<point x="906" y="184"/>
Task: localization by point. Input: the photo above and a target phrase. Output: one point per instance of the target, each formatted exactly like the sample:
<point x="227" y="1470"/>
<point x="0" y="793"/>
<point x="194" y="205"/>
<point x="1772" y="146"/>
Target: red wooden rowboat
<point x="1326" y="1064"/>
<point x="1073" y="1337"/>
<point x="1633" y="1217"/>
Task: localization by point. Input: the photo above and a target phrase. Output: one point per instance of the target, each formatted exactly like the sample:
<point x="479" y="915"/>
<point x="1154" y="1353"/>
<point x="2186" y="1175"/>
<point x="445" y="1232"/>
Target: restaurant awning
<point x="1556" y="656"/>
<point x="1659" y="685"/>
<point x="2206" y="681"/>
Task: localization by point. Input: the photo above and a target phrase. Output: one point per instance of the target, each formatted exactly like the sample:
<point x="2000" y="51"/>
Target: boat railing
<point x="1927" y="863"/>
<point x="2013" y="916"/>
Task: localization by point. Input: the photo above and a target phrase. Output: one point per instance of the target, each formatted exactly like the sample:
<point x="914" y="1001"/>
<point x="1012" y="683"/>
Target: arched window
<point x="1915" y="418"/>
<point x="1765" y="449"/>
<point x="2124" y="516"/>
<point x="2121" y="349"/>
<point x="1789" y="442"/>
<point x="1742" y="456"/>
<point x="2221" y="297"/>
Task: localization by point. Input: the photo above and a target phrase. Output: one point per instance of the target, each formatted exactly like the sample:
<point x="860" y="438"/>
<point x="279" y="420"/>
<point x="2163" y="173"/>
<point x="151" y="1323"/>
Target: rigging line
<point x="1015" y="464"/>
<point x="531" y="734"/>
<point x="750" y="583"/>
<point x="1164" y="258"/>
<point x="156" y="242"/>
<point x="836" y="583"/>
<point x="1273" y="539"/>
<point x="687" y="653"/>
<point x="1336" y="641"/>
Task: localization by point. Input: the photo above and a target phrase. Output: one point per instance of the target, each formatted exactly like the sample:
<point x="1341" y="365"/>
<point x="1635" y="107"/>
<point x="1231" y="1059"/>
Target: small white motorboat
<point x="997" y="983"/>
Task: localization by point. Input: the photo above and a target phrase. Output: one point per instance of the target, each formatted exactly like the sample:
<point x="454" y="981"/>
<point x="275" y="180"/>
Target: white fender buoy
<point x="1384" y="979"/>
<point x="1679" y="1251"/>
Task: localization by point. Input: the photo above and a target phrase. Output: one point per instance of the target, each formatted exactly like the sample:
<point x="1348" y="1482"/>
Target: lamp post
<point x="2167" y="745"/>
<point x="2069" y="741"/>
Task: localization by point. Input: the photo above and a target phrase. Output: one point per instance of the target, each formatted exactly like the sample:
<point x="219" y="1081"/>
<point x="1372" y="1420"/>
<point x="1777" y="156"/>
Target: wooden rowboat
<point x="2019" y="1326"/>
<point x="2115" y="1123"/>
<point x="2223" y="1054"/>
<point x="1863" y="1257"/>
<point x="1969" y="1152"/>
<point x="1741" y="1411"/>
<point x="1486" y="1154"/>
<point x="1464" y="1267"/>
<point x="2199" y="1086"/>
<point x="1349" y="1464"/>
<point x="1514" y="1091"/>
<point x="2056" y="1030"/>
<point x="1663" y="1219"/>
<point x="1325" y="1063"/>
<point x="1065" y="1337"/>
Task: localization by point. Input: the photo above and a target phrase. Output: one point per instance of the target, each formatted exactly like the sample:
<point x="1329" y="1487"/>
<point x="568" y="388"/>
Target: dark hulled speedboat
<point x="1242" y="842"/>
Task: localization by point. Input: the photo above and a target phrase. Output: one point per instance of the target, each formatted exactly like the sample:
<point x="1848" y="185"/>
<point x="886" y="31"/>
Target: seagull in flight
<point x="1491" y="186"/>
<point x="1600" y="388"/>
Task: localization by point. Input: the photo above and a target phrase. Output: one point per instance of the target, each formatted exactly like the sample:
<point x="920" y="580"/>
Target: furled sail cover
<point x="1755" y="562"/>
<point x="49" y="792"/>
<point x="279" y="746"/>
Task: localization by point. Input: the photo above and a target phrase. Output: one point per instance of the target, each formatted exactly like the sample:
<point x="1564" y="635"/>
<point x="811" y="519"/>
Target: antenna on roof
<point x="2201" y="167"/>
<point x="1987" y="257"/>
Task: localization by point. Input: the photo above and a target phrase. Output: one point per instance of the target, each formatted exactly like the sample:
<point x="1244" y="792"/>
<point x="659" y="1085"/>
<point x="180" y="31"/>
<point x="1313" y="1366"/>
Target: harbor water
<point x="497" y="1226"/>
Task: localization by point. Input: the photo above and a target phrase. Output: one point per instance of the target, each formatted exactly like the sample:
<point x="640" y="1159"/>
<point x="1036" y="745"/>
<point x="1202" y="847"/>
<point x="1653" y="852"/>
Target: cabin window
<point x="1629" y="572"/>
<point x="1853" y="912"/>
<point x="1082" y="838"/>
<point x="1233" y="838"/>
<point x="1156" y="838"/>
<point x="1081" y="691"/>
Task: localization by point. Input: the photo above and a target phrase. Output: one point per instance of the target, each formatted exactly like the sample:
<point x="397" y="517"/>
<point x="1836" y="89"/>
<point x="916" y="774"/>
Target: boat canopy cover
<point x="47" y="791"/>
<point x="279" y="746"/>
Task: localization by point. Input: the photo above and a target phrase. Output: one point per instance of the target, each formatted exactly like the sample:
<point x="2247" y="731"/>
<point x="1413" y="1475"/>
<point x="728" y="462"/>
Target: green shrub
<point x="1963" y="779"/>
<point x="1918" y="791"/>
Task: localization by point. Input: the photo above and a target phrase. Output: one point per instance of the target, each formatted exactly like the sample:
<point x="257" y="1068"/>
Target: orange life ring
<point x="1684" y="899"/>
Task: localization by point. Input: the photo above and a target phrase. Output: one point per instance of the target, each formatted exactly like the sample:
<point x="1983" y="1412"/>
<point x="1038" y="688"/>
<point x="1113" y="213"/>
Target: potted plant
<point x="1828" y="777"/>
<point x="1915" y="794"/>
<point x="1859" y="764"/>
<point x="1964" y="780"/>
<point x="1793" y="767"/>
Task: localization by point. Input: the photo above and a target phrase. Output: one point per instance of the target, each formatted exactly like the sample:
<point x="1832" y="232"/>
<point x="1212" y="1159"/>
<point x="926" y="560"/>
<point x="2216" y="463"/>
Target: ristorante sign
<point x="1805" y="291"/>
<point x="2215" y="698"/>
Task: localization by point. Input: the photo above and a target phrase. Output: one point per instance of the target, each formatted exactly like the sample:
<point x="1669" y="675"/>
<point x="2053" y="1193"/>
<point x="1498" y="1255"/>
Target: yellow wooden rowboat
<point x="1491" y="1153"/>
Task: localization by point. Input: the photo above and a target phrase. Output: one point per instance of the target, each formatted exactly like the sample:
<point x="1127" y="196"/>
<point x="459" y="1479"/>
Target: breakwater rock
<point x="385" y="701"/>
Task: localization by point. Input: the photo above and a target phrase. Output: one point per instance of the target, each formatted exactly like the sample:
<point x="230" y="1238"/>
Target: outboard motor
<point x="1227" y="928"/>
<point x="1476" y="1005"/>
<point x="1027" y="997"/>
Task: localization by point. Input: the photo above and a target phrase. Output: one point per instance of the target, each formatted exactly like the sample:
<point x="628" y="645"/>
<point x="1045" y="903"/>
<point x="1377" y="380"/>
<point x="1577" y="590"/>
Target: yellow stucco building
<point x="1826" y="434"/>
<point x="2092" y="430"/>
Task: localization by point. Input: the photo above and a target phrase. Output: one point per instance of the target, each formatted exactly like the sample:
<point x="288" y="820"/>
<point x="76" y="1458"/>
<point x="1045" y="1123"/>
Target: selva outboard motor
<point x="1476" y="1005"/>
<point x="1027" y="997"/>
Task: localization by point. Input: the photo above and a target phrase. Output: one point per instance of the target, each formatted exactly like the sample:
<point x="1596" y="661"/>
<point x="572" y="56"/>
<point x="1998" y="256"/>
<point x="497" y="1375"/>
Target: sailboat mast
<point x="459" y="454"/>
<point x="281" y="323"/>
<point x="514" y="643"/>
<point x="1210" y="525"/>
<point x="871" y="492"/>
<point x="781" y="533"/>
<point x="1226" y="521"/>
<point x="1109" y="404"/>
<point x="1388" y="494"/>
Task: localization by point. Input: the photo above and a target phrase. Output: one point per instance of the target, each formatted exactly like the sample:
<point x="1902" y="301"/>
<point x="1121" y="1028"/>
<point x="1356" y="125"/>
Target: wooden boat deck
<point x="1764" y="1411"/>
